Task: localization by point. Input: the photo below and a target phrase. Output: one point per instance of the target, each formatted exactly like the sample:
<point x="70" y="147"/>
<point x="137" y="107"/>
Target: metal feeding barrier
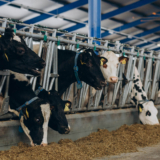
<point x="112" y="95"/>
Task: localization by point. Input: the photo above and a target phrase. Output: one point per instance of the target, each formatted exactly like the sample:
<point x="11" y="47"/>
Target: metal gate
<point x="111" y="96"/>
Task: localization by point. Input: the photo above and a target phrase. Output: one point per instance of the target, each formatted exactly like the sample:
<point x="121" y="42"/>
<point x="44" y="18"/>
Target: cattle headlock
<point x="111" y="107"/>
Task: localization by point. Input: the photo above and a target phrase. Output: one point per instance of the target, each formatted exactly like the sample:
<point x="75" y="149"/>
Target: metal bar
<point x="155" y="79"/>
<point x="50" y="61"/>
<point x="94" y="16"/>
<point x="148" y="70"/>
<point x="39" y="54"/>
<point x="46" y="68"/>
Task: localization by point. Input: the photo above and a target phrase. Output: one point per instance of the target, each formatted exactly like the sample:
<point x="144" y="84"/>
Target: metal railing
<point x="112" y="96"/>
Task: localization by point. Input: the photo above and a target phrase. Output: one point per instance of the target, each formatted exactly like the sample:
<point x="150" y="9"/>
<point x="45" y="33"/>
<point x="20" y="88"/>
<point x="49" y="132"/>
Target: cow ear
<point x="140" y="108"/>
<point x="67" y="105"/>
<point x="123" y="59"/>
<point x="8" y="34"/>
<point x="103" y="61"/>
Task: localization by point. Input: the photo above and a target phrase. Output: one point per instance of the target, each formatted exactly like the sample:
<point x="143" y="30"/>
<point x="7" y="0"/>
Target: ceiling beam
<point x="115" y="12"/>
<point x="148" y="43"/>
<point x="60" y="10"/>
<point x="116" y="4"/>
<point x="156" y="49"/>
<point x="150" y="31"/>
<point x="4" y="2"/>
<point x="128" y="25"/>
<point x="126" y="8"/>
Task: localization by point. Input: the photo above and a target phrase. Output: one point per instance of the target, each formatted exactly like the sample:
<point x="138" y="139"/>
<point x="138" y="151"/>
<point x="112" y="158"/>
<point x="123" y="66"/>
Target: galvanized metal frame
<point x="69" y="40"/>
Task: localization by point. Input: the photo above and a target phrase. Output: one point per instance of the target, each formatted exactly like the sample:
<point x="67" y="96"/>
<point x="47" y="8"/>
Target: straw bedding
<point x="97" y="144"/>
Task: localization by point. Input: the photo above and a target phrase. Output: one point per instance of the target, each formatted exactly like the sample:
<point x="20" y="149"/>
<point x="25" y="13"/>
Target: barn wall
<point x="82" y="124"/>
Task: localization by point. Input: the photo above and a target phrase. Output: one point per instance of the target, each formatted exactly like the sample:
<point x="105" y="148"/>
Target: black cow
<point x="16" y="56"/>
<point x="88" y="69"/>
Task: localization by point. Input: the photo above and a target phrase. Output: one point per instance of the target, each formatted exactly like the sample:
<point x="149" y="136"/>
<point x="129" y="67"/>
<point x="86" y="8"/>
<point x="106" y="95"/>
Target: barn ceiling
<point x="140" y="18"/>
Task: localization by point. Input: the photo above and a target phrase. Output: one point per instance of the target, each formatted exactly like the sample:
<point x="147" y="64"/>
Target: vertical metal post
<point x="94" y="17"/>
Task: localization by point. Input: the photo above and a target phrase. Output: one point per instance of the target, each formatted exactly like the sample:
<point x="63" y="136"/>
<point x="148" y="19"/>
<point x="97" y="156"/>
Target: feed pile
<point x="97" y="144"/>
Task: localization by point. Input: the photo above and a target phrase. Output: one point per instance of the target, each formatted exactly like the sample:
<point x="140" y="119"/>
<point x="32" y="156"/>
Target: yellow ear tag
<point x="50" y="112"/>
<point x="66" y="107"/>
<point x="6" y="57"/>
<point x="49" y="93"/>
<point x="101" y="61"/>
<point x="140" y="109"/>
<point x="0" y="36"/>
<point x="123" y="61"/>
<point x="82" y="63"/>
<point x="27" y="114"/>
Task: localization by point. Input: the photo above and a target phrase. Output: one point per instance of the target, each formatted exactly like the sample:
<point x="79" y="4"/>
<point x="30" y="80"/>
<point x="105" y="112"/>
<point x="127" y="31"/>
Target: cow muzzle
<point x="43" y="144"/>
<point x="103" y="83"/>
<point x="113" y="79"/>
<point x="64" y="130"/>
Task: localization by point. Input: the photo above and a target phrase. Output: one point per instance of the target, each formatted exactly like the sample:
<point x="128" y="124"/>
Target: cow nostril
<point x="43" y="144"/>
<point x="67" y="130"/>
<point x="103" y="83"/>
<point x="113" y="79"/>
<point x="43" y="64"/>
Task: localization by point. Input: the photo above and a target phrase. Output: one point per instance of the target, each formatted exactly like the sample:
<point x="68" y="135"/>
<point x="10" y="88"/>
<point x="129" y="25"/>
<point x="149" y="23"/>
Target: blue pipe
<point x="94" y="19"/>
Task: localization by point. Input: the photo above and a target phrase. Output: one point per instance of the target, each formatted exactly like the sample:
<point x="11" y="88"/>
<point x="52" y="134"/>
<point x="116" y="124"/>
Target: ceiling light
<point x="111" y="31"/>
<point x="129" y="36"/>
<point x="158" y="44"/>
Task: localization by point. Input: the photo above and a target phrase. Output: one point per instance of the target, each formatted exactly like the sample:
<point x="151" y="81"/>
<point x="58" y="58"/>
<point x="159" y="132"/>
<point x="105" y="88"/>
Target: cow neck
<point x="138" y="94"/>
<point x="3" y="63"/>
<point x="19" y="92"/>
<point x="66" y="72"/>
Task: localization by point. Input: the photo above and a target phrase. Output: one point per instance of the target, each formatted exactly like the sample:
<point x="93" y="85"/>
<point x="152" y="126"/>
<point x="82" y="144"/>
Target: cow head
<point x="16" y="56"/>
<point x="148" y="113"/>
<point x="89" y="68"/>
<point x="109" y="69"/>
<point x="58" y="119"/>
<point x="34" y="121"/>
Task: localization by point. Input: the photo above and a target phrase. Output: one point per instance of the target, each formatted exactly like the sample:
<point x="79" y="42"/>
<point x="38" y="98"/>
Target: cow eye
<point x="52" y="108"/>
<point x="37" y="120"/>
<point x="148" y="113"/>
<point x="20" y="51"/>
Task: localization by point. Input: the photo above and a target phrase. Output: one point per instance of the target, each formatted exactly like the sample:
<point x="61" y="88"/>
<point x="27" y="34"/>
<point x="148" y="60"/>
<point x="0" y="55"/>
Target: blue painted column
<point x="94" y="18"/>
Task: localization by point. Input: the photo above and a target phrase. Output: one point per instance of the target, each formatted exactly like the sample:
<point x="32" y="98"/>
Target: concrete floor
<point x="147" y="153"/>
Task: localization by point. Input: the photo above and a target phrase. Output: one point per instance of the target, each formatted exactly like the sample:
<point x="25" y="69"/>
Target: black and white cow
<point x="110" y="70"/>
<point x="58" y="121"/>
<point x="16" y="56"/>
<point x="34" y="117"/>
<point x="147" y="111"/>
<point x="88" y="68"/>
